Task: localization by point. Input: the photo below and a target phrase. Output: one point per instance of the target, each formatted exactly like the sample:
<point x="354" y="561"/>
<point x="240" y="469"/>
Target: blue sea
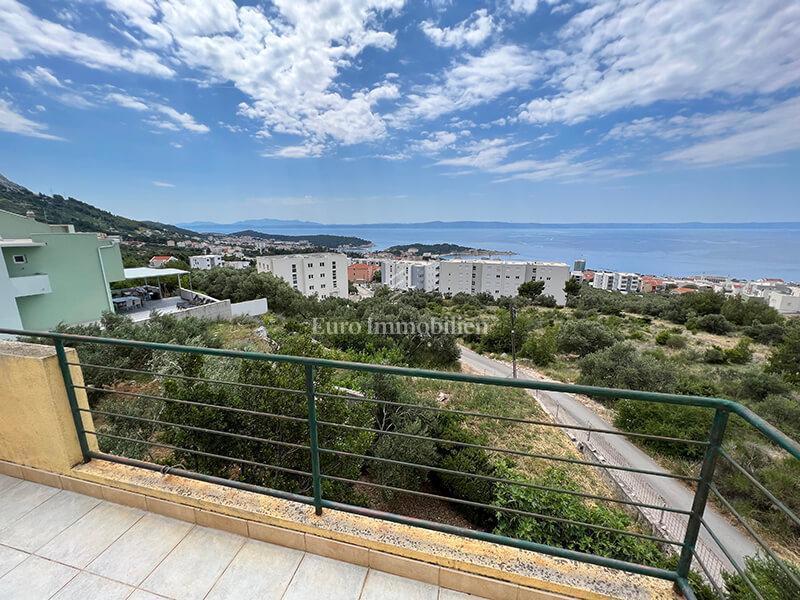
<point x="740" y="251"/>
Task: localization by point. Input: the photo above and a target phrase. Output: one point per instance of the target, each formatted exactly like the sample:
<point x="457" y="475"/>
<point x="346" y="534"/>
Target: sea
<point x="739" y="251"/>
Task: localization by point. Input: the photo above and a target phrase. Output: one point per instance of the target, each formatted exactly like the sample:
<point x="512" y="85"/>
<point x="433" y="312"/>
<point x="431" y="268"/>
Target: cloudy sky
<point x="377" y="110"/>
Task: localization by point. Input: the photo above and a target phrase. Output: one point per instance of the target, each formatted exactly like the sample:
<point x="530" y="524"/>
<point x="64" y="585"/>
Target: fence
<point x="289" y="432"/>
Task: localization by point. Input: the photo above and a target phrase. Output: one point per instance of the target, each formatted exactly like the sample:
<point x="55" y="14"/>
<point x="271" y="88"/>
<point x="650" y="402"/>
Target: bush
<point x="711" y="323"/>
<point x="583" y="337"/>
<point x="623" y="366"/>
<point x="582" y="538"/>
<point x="466" y="460"/>
<point x="785" y="358"/>
<point x="715" y="356"/>
<point x="540" y="348"/>
<point x="771" y="333"/>
<point x="746" y="312"/>
<point x="670" y="340"/>
<point x="756" y="385"/>
<point x="741" y="353"/>
<point x="665" y="420"/>
<point x="766" y="576"/>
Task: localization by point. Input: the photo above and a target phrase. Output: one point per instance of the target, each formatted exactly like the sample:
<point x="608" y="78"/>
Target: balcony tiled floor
<point x="62" y="545"/>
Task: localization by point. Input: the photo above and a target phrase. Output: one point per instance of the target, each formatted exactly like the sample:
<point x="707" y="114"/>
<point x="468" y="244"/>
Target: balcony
<point x="274" y="467"/>
<point x="30" y="285"/>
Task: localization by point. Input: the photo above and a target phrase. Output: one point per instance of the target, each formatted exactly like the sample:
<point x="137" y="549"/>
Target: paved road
<point x="572" y="412"/>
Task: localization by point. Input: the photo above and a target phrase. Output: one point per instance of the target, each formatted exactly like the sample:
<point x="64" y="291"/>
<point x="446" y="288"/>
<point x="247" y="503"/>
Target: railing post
<point x="316" y="480"/>
<point x="73" y="400"/>
<point x="701" y="495"/>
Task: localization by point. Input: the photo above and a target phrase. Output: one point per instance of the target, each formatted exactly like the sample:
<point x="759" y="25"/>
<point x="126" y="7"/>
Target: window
<point x="322" y="274"/>
<point x="322" y="264"/>
<point x="19" y="259"/>
<point x="310" y="265"/>
<point x="322" y="286"/>
<point x="311" y="276"/>
<point x="311" y="287"/>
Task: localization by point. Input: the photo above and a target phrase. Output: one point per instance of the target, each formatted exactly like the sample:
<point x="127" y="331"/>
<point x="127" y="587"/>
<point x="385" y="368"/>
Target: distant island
<point x="443" y="250"/>
<point x="321" y="240"/>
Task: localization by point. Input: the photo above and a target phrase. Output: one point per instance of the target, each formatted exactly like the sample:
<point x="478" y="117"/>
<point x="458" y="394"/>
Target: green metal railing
<point x="686" y="548"/>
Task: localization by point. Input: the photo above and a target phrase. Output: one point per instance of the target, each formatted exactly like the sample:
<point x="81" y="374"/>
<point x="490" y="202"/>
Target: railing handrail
<point x="768" y="430"/>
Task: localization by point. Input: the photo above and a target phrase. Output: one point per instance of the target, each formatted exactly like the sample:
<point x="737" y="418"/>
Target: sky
<point x="358" y="111"/>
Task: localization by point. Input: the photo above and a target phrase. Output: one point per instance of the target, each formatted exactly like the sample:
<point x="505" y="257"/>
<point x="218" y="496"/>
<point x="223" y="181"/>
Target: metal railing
<point x="315" y="434"/>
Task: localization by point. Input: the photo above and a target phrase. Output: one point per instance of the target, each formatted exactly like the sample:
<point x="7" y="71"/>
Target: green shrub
<point x="665" y="420"/>
<point x="583" y="337"/>
<point x="711" y="323"/>
<point x="766" y="576"/>
<point x="785" y="357"/>
<point x="540" y="348"/>
<point x="741" y="353"/>
<point x="771" y="333"/>
<point x="623" y="366"/>
<point x="582" y="538"/>
<point x="746" y="312"/>
<point x="755" y="385"/>
<point x="715" y="356"/>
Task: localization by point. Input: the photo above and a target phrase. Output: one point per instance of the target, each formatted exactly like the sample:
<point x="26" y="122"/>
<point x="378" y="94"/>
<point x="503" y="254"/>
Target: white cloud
<point x="434" y="142"/>
<point x="307" y="150"/>
<point x="126" y="101"/>
<point x="13" y="122"/>
<point x="175" y="120"/>
<point x="735" y="137"/>
<point x="472" y="82"/>
<point x="472" y="31"/>
<point x="163" y="184"/>
<point x="176" y="145"/>
<point x="527" y="7"/>
<point x="636" y="53"/>
<point x="286" y="60"/>
<point x="39" y="76"/>
<point x="482" y="154"/>
<point x="23" y="34"/>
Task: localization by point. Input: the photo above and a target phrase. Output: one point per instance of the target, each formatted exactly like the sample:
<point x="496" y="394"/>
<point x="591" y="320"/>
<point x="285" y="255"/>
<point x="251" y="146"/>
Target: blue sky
<point x="385" y="110"/>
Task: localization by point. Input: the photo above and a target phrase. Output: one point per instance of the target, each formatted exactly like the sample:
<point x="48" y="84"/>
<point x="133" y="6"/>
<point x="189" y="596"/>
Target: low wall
<point x="250" y="308"/>
<point x="220" y="310"/>
<point x="36" y="424"/>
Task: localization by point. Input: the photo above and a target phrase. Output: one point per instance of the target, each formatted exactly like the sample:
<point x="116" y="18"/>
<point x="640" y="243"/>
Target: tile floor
<point x="62" y="545"/>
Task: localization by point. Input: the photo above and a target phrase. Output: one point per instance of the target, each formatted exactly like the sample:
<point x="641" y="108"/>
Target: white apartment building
<point x="603" y="280"/>
<point x="786" y="304"/>
<point x="205" y="262"/>
<point x="322" y="274"/>
<point x="236" y="264"/>
<point x="502" y="278"/>
<point x="617" y="281"/>
<point x="410" y="274"/>
<point x="626" y="283"/>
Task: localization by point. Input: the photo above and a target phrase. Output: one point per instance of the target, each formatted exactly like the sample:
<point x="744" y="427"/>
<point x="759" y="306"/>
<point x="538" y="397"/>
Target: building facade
<point x="627" y="283"/>
<point x="205" y="262"/>
<point x="785" y="304"/>
<point x="361" y="272"/>
<point x="322" y="274"/>
<point x="50" y="275"/>
<point x="401" y="274"/>
<point x="502" y="278"/>
<point x="603" y="280"/>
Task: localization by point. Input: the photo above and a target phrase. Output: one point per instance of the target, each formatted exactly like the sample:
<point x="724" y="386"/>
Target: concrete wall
<point x="36" y="424"/>
<point x="218" y="310"/>
<point x="250" y="308"/>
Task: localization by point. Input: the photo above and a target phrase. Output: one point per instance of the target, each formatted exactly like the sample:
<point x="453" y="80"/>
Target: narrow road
<point x="675" y="494"/>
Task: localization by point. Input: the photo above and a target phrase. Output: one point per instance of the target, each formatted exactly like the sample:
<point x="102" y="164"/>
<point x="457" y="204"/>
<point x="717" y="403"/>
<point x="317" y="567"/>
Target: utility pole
<point x="513" y="311"/>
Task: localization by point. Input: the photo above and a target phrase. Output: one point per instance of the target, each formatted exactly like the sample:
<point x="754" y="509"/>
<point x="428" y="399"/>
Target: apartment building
<point x="502" y="278"/>
<point x="603" y="280"/>
<point x="322" y="274"/>
<point x="786" y="304"/>
<point x="410" y="274"/>
<point x="627" y="283"/>
<point x="361" y="272"/>
<point x="49" y="274"/>
<point x="205" y="262"/>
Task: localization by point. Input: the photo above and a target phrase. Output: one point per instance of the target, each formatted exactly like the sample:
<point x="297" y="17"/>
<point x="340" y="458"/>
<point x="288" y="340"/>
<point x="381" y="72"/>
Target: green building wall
<point x="80" y="267"/>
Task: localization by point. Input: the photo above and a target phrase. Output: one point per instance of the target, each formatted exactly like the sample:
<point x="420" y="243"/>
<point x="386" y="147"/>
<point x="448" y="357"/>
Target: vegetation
<point x="440" y="249"/>
<point x="85" y="217"/>
<point x="321" y="241"/>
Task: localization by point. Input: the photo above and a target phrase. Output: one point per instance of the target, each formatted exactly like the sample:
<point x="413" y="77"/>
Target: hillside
<point x="440" y="249"/>
<point x="322" y="240"/>
<point x="85" y="217"/>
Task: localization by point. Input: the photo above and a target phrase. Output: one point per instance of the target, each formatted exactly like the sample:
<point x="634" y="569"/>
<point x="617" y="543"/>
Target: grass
<point x="536" y="439"/>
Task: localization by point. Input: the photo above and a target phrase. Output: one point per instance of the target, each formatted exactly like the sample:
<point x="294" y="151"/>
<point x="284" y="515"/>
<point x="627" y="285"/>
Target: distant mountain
<point x="84" y="217"/>
<point x="252" y="224"/>
<point x="274" y="224"/>
<point x="321" y="240"/>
